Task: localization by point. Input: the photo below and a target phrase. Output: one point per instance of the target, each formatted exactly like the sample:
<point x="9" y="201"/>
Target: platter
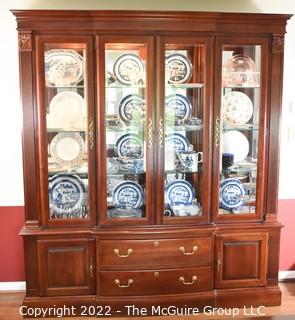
<point x="132" y="107"/>
<point x="129" y="69"/>
<point x="179" y="106"/>
<point x="236" y="143"/>
<point x="63" y="67"/>
<point x="178" y="68"/>
<point x="176" y="142"/>
<point x="130" y="145"/>
<point x="67" y="149"/>
<point x="67" y="109"/>
<point x="128" y="195"/>
<point x="67" y="194"/>
<point x="231" y="194"/>
<point x="237" y="108"/>
<point x="179" y="192"/>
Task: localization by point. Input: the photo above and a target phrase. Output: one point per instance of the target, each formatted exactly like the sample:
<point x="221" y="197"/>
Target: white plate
<point x="67" y="149"/>
<point x="179" y="192"/>
<point x="231" y="194"/>
<point x="129" y="69"/>
<point x="63" y="67"/>
<point x="237" y="108"/>
<point x="67" y="110"/>
<point x="128" y="195"/>
<point x="178" y="68"/>
<point x="236" y="143"/>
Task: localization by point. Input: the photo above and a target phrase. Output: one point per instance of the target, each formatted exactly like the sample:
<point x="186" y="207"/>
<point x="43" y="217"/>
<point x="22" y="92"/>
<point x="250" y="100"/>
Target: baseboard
<point x="286" y="275"/>
<point x="13" y="286"/>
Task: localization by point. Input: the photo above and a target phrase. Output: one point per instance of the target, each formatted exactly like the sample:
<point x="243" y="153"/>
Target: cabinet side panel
<point x="29" y="159"/>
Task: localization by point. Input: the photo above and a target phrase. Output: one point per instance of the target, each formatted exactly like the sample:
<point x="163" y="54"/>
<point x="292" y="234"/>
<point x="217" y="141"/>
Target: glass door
<point x="183" y="129"/>
<point x="127" y="129"/>
<point x="240" y="122"/>
<point x="66" y="129"/>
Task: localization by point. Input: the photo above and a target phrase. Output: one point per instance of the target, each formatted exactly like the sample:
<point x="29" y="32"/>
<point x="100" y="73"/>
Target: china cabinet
<point x="150" y="152"/>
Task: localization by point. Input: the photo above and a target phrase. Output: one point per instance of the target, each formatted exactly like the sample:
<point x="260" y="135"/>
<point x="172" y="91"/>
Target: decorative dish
<point x="179" y="106"/>
<point x="231" y="194"/>
<point x="178" y="68"/>
<point x="237" y="108"/>
<point x="176" y="142"/>
<point x="66" y="110"/>
<point x="130" y="145"/>
<point x="63" y="67"/>
<point x="67" y="194"/>
<point x="129" y="69"/>
<point x="236" y="143"/>
<point x="179" y="192"/>
<point x="132" y="107"/>
<point x="67" y="149"/>
<point x="128" y="195"/>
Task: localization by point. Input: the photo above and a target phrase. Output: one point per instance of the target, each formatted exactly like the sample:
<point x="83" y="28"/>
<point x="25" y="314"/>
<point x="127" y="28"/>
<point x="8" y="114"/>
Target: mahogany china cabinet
<point x="150" y="153"/>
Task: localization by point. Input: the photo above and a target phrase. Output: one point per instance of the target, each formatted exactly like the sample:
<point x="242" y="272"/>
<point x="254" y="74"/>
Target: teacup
<point x="190" y="159"/>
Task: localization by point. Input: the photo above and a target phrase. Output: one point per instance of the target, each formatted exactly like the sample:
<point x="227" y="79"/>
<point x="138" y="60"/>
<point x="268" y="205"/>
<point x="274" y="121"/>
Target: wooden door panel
<point x="241" y="260"/>
<point x="66" y="266"/>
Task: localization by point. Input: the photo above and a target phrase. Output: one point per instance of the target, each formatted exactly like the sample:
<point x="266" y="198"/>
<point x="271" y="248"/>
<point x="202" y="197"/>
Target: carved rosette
<point x="25" y="41"/>
<point x="278" y="43"/>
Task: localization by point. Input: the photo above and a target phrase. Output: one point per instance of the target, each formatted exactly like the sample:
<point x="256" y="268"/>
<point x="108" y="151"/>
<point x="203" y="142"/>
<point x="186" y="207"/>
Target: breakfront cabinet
<point x="150" y="152"/>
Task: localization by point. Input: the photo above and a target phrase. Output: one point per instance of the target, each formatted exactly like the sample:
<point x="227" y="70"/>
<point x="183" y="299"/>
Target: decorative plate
<point x="128" y="195"/>
<point x="176" y="142"/>
<point x="240" y="70"/>
<point x="124" y="213"/>
<point x="67" y="109"/>
<point x="132" y="106"/>
<point x="179" y="68"/>
<point x="63" y="67"/>
<point x="237" y="108"/>
<point x="67" y="149"/>
<point x="231" y="194"/>
<point x="236" y="143"/>
<point x="67" y="194"/>
<point x="178" y="105"/>
<point x="129" y="69"/>
<point x="179" y="192"/>
<point x="130" y="146"/>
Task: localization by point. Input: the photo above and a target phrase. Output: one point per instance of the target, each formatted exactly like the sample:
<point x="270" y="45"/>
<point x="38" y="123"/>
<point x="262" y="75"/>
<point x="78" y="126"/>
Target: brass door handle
<point x="91" y="268"/>
<point x="218" y="262"/>
<point x="117" y="253"/>
<point x="129" y="282"/>
<point x="161" y="133"/>
<point x="217" y="131"/>
<point x="182" y="280"/>
<point x="182" y="250"/>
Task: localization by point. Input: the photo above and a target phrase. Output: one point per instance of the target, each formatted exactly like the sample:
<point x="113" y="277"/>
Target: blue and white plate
<point x="132" y="106"/>
<point x="67" y="194"/>
<point x="129" y="69"/>
<point x="231" y="194"/>
<point x="178" y="105"/>
<point x="179" y="68"/>
<point x="179" y="192"/>
<point x="176" y="142"/>
<point x="128" y="195"/>
<point x="130" y="145"/>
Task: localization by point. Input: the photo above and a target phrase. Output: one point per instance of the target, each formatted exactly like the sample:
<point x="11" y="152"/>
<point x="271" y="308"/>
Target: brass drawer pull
<point x="194" y="279"/>
<point x="117" y="253"/>
<point x="182" y="250"/>
<point x="117" y="282"/>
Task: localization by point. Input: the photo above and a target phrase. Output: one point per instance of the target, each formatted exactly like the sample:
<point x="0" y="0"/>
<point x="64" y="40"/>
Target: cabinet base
<point x="156" y="305"/>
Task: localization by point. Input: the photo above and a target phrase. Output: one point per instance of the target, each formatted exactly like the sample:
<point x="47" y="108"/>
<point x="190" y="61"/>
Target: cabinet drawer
<point x="155" y="281"/>
<point x="150" y="254"/>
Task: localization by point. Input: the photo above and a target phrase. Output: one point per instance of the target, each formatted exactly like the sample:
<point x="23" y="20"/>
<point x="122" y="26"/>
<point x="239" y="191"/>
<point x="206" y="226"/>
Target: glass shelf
<point x="66" y="87"/>
<point x="185" y="85"/>
<point x="122" y="86"/>
<point x="53" y="130"/>
<point x="245" y="127"/>
<point x="175" y="171"/>
<point x="124" y="172"/>
<point x="184" y="128"/>
<point x="242" y="87"/>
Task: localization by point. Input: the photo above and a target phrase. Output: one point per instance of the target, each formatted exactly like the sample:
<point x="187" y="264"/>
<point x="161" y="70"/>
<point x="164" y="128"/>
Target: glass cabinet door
<point x="127" y="129"/>
<point x="64" y="113"/>
<point x="239" y="130"/>
<point x="183" y="130"/>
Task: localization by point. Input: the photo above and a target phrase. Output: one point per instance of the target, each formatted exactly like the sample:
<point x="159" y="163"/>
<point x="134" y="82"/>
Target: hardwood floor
<point x="11" y="301"/>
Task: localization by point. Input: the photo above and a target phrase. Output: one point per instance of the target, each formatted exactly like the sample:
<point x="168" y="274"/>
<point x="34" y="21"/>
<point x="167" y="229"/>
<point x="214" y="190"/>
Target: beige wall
<point x="11" y="192"/>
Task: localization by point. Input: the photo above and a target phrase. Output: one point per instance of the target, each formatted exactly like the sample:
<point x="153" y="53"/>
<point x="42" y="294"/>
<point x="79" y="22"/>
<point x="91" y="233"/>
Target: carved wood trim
<point x="278" y="43"/>
<point x="25" y="41"/>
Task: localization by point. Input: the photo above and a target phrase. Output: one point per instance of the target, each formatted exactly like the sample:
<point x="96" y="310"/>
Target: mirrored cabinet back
<point x="150" y="158"/>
